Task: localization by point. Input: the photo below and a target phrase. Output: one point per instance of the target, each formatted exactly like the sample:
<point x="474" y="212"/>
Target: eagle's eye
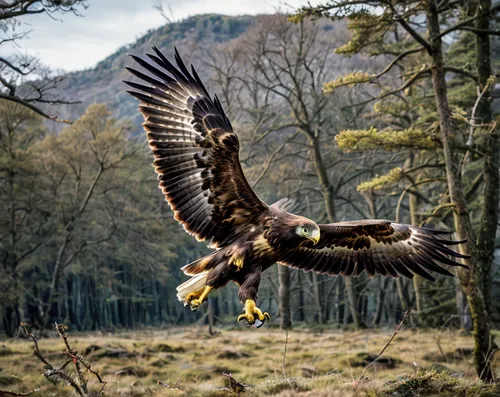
<point x="304" y="230"/>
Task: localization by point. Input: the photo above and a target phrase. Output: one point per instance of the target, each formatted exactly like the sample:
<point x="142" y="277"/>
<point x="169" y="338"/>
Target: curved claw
<point x="253" y="315"/>
<point x="197" y="298"/>
<point x="259" y="323"/>
<point x="194" y="304"/>
<point x="248" y="317"/>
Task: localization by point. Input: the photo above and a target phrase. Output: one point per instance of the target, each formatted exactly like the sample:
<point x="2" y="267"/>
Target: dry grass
<point x="189" y="362"/>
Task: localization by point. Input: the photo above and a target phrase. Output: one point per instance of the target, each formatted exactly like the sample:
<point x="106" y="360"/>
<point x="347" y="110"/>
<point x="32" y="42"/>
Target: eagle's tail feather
<point x="202" y="265"/>
<point x="194" y="284"/>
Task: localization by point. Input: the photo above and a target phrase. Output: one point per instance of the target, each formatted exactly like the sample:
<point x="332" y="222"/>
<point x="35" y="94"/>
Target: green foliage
<point x="349" y="80"/>
<point x="380" y="182"/>
<point x="388" y="139"/>
<point x="367" y="29"/>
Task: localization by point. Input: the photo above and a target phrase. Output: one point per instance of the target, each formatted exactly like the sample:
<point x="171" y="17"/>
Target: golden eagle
<point x="197" y="162"/>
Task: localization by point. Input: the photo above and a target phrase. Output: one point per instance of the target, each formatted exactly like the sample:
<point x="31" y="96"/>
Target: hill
<point x="103" y="83"/>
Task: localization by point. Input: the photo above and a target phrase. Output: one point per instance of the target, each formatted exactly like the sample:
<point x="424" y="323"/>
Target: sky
<point x="72" y="42"/>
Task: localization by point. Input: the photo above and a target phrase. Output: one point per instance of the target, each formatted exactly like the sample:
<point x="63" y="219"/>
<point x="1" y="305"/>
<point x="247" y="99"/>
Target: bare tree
<point x="23" y="78"/>
<point x="292" y="64"/>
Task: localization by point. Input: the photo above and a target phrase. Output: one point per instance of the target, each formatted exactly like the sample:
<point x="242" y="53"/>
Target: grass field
<point x="190" y="362"/>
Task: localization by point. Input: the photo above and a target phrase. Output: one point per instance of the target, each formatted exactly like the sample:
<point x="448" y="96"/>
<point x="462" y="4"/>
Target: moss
<point x="5" y="351"/>
<point x="388" y="139"/>
<point x="364" y="359"/>
<point x="137" y="371"/>
<point x="271" y="387"/>
<point x="367" y="29"/>
<point x="379" y="182"/>
<point x="7" y="380"/>
<point x="230" y="354"/>
<point x="164" y="348"/>
<point x="424" y="384"/>
<point x="349" y="80"/>
<point x="113" y="353"/>
<point x="458" y="354"/>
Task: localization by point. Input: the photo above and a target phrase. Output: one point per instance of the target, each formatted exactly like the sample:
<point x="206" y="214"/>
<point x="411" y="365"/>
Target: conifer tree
<point x="414" y="27"/>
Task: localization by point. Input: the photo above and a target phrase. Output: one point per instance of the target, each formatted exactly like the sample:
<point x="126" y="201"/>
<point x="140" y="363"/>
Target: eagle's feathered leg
<point x="248" y="294"/>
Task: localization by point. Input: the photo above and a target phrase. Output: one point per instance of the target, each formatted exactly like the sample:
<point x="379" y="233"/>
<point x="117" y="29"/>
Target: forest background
<point x="356" y="109"/>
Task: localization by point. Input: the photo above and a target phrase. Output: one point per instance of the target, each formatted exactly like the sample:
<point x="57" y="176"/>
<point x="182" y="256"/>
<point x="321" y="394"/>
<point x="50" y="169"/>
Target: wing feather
<point x="195" y="149"/>
<point x="376" y="247"/>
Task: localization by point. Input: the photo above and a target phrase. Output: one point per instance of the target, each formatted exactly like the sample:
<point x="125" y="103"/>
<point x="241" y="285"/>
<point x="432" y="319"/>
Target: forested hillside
<point x="103" y="83"/>
<point x="88" y="240"/>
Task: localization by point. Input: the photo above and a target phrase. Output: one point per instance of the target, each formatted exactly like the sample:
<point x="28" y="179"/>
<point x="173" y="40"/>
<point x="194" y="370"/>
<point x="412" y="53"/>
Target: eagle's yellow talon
<point x="196" y="298"/>
<point x="193" y="295"/>
<point x="252" y="312"/>
<point x="249" y="317"/>
<point x="194" y="304"/>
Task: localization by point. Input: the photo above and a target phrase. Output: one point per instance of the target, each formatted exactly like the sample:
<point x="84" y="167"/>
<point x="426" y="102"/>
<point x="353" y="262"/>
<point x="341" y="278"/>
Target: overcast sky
<point x="80" y="42"/>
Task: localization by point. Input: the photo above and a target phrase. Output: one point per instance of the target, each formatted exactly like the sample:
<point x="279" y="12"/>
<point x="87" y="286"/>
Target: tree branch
<point x="481" y="32"/>
<point x="397" y="59"/>
<point x="414" y="34"/>
<point x="33" y="108"/>
<point x="15" y="68"/>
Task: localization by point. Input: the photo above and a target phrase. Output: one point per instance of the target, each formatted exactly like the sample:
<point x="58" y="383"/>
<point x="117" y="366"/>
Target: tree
<point x="292" y="64"/>
<point x="82" y="164"/>
<point x="24" y="207"/>
<point x="371" y="22"/>
<point x="484" y="117"/>
<point x="23" y="79"/>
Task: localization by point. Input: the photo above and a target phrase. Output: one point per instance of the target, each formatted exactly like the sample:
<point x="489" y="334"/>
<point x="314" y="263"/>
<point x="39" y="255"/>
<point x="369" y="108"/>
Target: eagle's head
<point x="308" y="231"/>
<point x="296" y="230"/>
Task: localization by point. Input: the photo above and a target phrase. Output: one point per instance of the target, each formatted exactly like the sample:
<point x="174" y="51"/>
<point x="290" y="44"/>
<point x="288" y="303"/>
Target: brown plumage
<point x="197" y="162"/>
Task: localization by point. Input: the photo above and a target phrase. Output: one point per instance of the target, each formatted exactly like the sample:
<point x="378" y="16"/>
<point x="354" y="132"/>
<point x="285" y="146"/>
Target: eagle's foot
<point x="193" y="295"/>
<point x="253" y="315"/>
<point x="196" y="298"/>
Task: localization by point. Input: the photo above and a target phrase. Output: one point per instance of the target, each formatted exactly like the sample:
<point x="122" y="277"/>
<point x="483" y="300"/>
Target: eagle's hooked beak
<point x="314" y="237"/>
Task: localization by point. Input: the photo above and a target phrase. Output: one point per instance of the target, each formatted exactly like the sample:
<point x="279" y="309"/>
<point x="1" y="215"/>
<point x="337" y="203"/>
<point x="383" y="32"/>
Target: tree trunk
<point x="382" y="286"/>
<point x="417" y="280"/>
<point x="328" y="195"/>
<point x="317" y="299"/>
<point x="302" y="300"/>
<point x="340" y="302"/>
<point x="284" y="297"/>
<point x="489" y="218"/>
<point x="210" y="315"/>
<point x="403" y="299"/>
<point x="462" y="308"/>
<point x="469" y="278"/>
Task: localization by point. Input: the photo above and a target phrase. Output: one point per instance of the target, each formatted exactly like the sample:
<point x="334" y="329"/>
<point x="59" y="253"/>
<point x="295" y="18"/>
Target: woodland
<point x="356" y="109"/>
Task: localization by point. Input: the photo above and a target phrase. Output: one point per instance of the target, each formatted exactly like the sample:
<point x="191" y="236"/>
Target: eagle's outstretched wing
<point x="195" y="150"/>
<point x="377" y="247"/>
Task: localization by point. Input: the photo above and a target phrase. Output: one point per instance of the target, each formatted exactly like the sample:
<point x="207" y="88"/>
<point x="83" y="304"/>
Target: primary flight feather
<point x="196" y="156"/>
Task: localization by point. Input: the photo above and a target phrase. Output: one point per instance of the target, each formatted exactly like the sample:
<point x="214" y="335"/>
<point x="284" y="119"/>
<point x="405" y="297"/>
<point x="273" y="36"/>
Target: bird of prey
<point x="196" y="158"/>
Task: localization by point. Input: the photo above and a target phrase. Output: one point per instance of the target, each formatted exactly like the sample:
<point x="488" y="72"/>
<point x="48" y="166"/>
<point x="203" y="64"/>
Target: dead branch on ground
<point x="53" y="373"/>
<point x="396" y="331"/>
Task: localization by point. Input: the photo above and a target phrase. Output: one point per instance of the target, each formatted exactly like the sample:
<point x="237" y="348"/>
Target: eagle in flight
<point x="196" y="158"/>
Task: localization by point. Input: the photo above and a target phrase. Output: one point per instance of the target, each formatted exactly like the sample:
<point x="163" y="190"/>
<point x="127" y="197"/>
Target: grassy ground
<point x="189" y="362"/>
